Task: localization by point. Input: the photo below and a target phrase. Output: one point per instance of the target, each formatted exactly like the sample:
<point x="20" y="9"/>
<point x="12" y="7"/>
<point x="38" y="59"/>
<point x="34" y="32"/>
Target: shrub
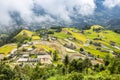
<point x="75" y="76"/>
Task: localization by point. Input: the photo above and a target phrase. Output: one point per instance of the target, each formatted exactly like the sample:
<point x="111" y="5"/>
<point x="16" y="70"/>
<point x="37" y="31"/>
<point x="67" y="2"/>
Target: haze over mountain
<point x="34" y="14"/>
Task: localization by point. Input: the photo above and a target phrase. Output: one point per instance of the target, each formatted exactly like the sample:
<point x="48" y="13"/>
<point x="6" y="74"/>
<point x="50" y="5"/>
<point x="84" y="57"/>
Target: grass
<point x="96" y="27"/>
<point x="25" y="47"/>
<point x="112" y="36"/>
<point x="106" y="35"/>
<point x="57" y="77"/>
<point x="61" y="35"/>
<point x="47" y="48"/>
<point x="38" y="46"/>
<point x="6" y="49"/>
<point x="78" y="36"/>
<point x="35" y="38"/>
<point x="92" y="50"/>
<point x="33" y="56"/>
<point x="90" y="34"/>
<point x="24" y="34"/>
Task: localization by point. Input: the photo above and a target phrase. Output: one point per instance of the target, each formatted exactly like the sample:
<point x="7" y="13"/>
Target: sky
<point x="54" y="9"/>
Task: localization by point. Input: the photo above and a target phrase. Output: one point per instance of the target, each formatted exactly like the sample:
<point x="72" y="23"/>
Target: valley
<point x="46" y="47"/>
<point x="95" y="43"/>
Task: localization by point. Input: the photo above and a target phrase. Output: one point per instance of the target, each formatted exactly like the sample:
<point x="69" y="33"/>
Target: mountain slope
<point x="114" y="24"/>
<point x="26" y="35"/>
<point x="94" y="42"/>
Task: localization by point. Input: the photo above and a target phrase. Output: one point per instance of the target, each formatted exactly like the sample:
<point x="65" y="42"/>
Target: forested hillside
<point x="61" y="53"/>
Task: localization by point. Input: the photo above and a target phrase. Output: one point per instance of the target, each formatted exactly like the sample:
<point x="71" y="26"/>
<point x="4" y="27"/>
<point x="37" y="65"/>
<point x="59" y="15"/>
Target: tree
<point x="107" y="60"/>
<point x="19" y="44"/>
<point x="55" y="56"/>
<point x="80" y="65"/>
<point x="87" y="64"/>
<point x="50" y="32"/>
<point x="66" y="62"/>
<point x="81" y="49"/>
<point x="73" y="65"/>
<point x="33" y="47"/>
<point x="96" y="67"/>
<point x="114" y="66"/>
<point x="6" y="73"/>
<point x="76" y="65"/>
<point x="75" y="76"/>
<point x="37" y="73"/>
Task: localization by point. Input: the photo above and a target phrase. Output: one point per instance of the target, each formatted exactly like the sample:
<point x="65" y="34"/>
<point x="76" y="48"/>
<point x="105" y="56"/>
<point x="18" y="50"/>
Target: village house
<point x="42" y="57"/>
<point x="25" y="56"/>
<point x="76" y="31"/>
<point x="42" y="53"/>
<point x="70" y="46"/>
<point x="1" y="56"/>
<point x="25" y="45"/>
<point x="33" y="60"/>
<point x="30" y="49"/>
<point x="52" y="38"/>
<point x="83" y="52"/>
<point x="12" y="53"/>
<point x="38" y="52"/>
<point x="29" y="43"/>
<point x="71" y="38"/>
<point x="45" y="59"/>
<point x="22" y="60"/>
<point x="45" y="38"/>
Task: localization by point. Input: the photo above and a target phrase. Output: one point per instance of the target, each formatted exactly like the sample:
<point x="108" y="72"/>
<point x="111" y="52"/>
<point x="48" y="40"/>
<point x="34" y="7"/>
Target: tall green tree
<point x="66" y="62"/>
<point x="6" y="73"/>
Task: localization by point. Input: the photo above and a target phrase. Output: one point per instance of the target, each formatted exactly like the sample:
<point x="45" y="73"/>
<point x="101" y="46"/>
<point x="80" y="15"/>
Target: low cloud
<point x="55" y="10"/>
<point x="111" y="3"/>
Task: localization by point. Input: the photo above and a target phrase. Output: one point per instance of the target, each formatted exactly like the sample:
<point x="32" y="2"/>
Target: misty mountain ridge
<point x="102" y="16"/>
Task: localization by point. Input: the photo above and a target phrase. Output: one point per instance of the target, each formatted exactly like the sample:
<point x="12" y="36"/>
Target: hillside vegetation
<point x="62" y="53"/>
<point x="95" y="37"/>
<point x="26" y="35"/>
<point x="6" y="49"/>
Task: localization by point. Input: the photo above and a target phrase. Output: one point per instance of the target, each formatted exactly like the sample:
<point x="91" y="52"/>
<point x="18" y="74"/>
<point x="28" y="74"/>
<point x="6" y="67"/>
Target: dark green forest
<point x="76" y="69"/>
